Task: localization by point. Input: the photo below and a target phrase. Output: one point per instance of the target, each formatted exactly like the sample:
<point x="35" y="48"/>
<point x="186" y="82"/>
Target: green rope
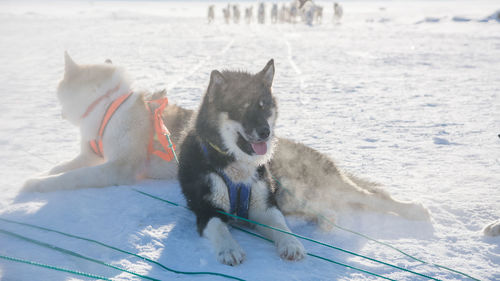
<point x="299" y="236"/>
<point x="316" y="256"/>
<point x="326" y="245"/>
<point x="171" y="146"/>
<point x="54" y="267"/>
<point x="71" y="253"/>
<point x="374" y="240"/>
<point x="401" y="251"/>
<point x="122" y="251"/>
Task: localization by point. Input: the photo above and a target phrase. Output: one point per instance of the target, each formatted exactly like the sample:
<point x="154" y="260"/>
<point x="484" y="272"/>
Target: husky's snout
<point x="263" y="132"/>
<point x="258" y="138"/>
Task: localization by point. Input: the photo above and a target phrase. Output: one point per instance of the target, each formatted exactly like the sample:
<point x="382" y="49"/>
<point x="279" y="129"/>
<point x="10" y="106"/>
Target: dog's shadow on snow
<point x="124" y="218"/>
<point x="118" y="216"/>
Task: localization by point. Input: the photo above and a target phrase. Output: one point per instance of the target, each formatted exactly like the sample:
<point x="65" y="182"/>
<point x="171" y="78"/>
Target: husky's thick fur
<point x="233" y="139"/>
<point x="311" y="184"/>
<point x="125" y="140"/>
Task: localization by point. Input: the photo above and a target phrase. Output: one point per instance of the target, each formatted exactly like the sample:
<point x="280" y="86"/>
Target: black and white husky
<point x="224" y="162"/>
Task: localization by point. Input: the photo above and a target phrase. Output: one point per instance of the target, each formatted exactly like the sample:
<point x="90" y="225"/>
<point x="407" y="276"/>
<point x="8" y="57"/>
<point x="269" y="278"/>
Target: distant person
<point x="236" y="14"/>
<point x="318" y="14"/>
<point x="249" y="15"/>
<point x="211" y="14"/>
<point x="307" y="10"/>
<point x="261" y="16"/>
<point x="293" y="13"/>
<point x="284" y="14"/>
<point x="227" y="14"/>
<point x="337" y="12"/>
<point x="274" y="13"/>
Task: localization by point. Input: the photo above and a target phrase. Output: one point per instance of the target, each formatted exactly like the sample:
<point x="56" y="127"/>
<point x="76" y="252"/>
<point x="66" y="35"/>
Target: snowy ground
<point x="404" y="93"/>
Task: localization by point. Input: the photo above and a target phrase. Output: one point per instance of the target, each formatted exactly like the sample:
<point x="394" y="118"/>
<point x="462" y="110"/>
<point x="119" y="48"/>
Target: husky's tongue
<point x="260" y="148"/>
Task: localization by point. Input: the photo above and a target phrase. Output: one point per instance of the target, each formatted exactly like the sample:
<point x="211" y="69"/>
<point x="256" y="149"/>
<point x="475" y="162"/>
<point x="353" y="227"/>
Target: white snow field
<point x="403" y="93"/>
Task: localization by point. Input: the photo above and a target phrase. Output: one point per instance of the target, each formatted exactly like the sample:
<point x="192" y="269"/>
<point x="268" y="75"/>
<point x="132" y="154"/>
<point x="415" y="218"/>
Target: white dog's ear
<point x="216" y="81"/>
<point x="268" y="73"/>
<point x="70" y="67"/>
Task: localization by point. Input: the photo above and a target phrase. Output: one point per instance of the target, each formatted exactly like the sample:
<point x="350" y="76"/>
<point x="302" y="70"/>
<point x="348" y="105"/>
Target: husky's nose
<point x="263" y="132"/>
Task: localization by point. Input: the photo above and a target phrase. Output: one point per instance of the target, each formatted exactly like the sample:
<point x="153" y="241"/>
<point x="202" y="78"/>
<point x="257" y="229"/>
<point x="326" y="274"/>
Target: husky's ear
<point x="70" y="67"/>
<point x="267" y="73"/>
<point x="216" y="81"/>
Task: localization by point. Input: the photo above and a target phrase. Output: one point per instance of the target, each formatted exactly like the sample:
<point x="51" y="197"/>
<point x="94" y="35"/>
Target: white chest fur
<point x="241" y="172"/>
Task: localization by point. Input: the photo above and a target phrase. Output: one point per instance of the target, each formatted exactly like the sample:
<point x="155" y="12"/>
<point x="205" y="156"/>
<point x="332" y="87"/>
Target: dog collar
<point x="98" y="100"/>
<point x="218" y="149"/>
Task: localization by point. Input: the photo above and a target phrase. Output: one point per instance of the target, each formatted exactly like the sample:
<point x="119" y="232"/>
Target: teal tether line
<point x="316" y="256"/>
<point x="119" y="250"/>
<point x="171" y="146"/>
<point x="304" y="238"/>
<point x="71" y="253"/>
<point x="376" y="241"/>
<point x="54" y="267"/>
<point x="327" y="245"/>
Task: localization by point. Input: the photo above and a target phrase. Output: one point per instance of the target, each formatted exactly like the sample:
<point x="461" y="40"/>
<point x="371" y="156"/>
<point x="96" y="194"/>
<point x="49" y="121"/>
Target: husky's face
<point x="81" y="85"/>
<point x="247" y="111"/>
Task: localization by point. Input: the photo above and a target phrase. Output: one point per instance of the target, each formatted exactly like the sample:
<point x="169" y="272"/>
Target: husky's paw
<point x="231" y="256"/>
<point x="493" y="229"/>
<point x="416" y="211"/>
<point x="291" y="249"/>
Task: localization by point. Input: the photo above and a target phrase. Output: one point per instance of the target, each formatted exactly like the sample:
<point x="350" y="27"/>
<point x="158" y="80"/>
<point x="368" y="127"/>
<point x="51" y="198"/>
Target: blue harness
<point x="239" y="193"/>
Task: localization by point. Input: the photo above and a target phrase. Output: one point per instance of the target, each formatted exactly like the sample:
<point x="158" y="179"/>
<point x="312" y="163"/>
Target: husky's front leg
<point x="227" y="249"/>
<point x="213" y="228"/>
<point x="289" y="248"/>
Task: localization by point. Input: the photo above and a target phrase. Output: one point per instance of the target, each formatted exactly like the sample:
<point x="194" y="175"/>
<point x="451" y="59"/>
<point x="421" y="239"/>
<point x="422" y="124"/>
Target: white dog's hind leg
<point x="493" y="229"/>
<point x="288" y="246"/>
<point x="383" y="202"/>
<point x="82" y="160"/>
<point x="227" y="250"/>
<point x="110" y="173"/>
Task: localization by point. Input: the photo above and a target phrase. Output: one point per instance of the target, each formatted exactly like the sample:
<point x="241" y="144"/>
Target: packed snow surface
<point x="404" y="93"/>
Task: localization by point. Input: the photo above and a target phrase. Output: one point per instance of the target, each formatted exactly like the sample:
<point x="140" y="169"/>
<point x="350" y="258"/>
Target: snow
<point x="412" y="106"/>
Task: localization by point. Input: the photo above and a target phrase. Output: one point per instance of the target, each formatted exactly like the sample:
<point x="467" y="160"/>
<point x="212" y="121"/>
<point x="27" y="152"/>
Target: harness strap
<point x="160" y="132"/>
<point x="96" y="144"/>
<point x="97" y="101"/>
<point x="239" y="193"/>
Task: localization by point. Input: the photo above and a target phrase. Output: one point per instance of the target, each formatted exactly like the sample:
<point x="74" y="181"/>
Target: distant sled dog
<point x="311" y="184"/>
<point x="224" y="162"/>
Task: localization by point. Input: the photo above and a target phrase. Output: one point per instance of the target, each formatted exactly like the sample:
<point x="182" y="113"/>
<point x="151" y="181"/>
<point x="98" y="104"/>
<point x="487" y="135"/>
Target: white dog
<point x="123" y="153"/>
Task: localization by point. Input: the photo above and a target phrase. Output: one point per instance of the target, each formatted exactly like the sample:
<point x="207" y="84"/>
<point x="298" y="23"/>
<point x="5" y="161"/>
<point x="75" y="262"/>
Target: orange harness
<point x="159" y="131"/>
